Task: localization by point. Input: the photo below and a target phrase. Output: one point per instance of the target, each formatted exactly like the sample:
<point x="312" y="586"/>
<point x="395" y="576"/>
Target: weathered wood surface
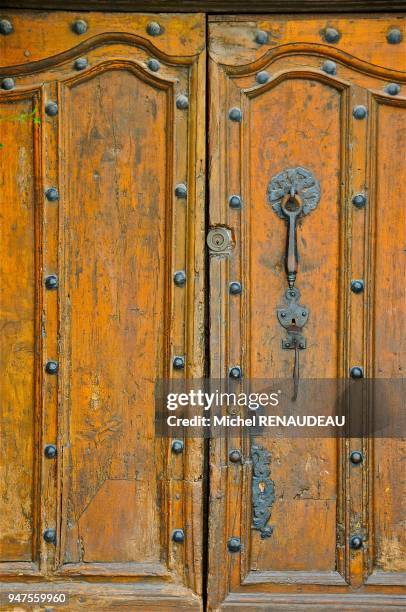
<point x="115" y="151"/>
<point x="303" y="117"/>
<point x="213" y="6"/>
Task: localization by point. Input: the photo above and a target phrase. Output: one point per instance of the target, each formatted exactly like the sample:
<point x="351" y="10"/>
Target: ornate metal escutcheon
<point x="263" y="491"/>
<point x="293" y="194"/>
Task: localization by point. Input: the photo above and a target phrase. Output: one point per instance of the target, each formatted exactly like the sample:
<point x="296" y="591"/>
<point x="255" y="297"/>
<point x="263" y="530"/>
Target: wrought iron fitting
<point x="234" y="545"/>
<point x="179" y="278"/>
<point x="51" y="281"/>
<point x="329" y="67"/>
<point x="359" y="200"/>
<point x="235" y="202"/>
<point x="6" y="27"/>
<point x="357" y="372"/>
<point x="80" y="64"/>
<point x="359" y="112"/>
<point x="235" y="114"/>
<point x="49" y="536"/>
<point x="261" y="37"/>
<point x="51" y="108"/>
<point x="153" y="65"/>
<point x="8" y="83"/>
<point x="50" y="451"/>
<point x="331" y="35"/>
<point x="178" y="363"/>
<point x="177" y="447"/>
<point x="356" y="457"/>
<point x="394" y="36"/>
<point x="262" y="77"/>
<point x="182" y="102"/>
<point x="357" y="286"/>
<point x="392" y="89"/>
<point x="79" y="26"/>
<point x="52" y="194"/>
<point x="178" y="536"/>
<point x="220" y="240"/>
<point x="356" y="542"/>
<point x="154" y="28"/>
<point x="51" y="367"/>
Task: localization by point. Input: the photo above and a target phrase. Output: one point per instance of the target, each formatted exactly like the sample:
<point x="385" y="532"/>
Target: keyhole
<point x="261" y="487"/>
<point x="218" y="240"/>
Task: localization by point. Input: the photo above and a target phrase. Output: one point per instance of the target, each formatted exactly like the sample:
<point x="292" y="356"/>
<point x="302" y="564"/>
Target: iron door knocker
<point x="293" y="193"/>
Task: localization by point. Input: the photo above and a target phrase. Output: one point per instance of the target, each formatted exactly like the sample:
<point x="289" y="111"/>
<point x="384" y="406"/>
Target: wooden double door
<point x="107" y="285"/>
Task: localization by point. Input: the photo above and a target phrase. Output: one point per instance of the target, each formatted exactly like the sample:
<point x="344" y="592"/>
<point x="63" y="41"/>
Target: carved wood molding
<point x="314" y="49"/>
<point x="213" y="6"/>
<point x="92" y="43"/>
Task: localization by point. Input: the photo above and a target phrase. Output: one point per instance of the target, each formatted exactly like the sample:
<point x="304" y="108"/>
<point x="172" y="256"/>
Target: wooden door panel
<point x="115" y="233"/>
<point x="19" y="323"/>
<point x="387" y="271"/>
<point x="296" y="111"/>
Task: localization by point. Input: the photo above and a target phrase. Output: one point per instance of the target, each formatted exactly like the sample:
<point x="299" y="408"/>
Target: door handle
<point x="291" y="208"/>
<point x="293" y="193"/>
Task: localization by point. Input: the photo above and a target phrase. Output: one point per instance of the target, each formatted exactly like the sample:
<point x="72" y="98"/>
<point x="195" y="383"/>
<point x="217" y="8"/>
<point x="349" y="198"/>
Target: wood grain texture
<point x="115" y="151"/>
<point x="20" y="364"/>
<point x="214" y="6"/>
<point x="302" y="117"/>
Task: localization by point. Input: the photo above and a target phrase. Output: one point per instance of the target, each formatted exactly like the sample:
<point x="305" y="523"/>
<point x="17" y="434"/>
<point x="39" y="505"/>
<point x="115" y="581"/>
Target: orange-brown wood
<point x="115" y="151"/>
<point x="303" y="117"/>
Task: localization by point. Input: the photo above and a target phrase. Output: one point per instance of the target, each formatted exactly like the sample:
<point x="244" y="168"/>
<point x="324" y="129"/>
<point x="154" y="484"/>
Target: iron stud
<point x="177" y="447"/>
<point x="50" y="451"/>
<point x="262" y="77"/>
<point x="331" y="35"/>
<point x="50" y="536"/>
<point x="235" y="456"/>
<point x="235" y="372"/>
<point x="80" y="63"/>
<point x="51" y="282"/>
<point x="79" y="26"/>
<point x="261" y="37"/>
<point x="234" y="201"/>
<point x="329" y="67"/>
<point x="359" y="200"/>
<point x="356" y="372"/>
<point x="179" y="278"/>
<point x="394" y="36"/>
<point x="235" y="114"/>
<point x="6" y="27"/>
<point x="357" y="286"/>
<point x="52" y="194"/>
<point x="235" y="288"/>
<point x="154" y="65"/>
<point x="392" y="89"/>
<point x="181" y="191"/>
<point x="51" y="109"/>
<point x="359" y="112"/>
<point x="51" y="367"/>
<point x="178" y="535"/>
<point x="234" y="544"/>
<point x="154" y="29"/>
<point x="356" y="542"/>
<point x="7" y="83"/>
<point x="178" y="363"/>
<point x="356" y="457"/>
<point x="182" y="102"/>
